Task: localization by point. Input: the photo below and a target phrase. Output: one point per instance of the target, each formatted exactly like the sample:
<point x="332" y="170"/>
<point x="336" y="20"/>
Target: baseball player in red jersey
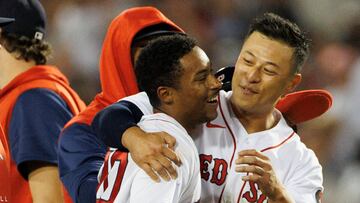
<point x="36" y="101"/>
<point x="249" y="153"/>
<point x="4" y="168"/>
<point x="4" y="152"/>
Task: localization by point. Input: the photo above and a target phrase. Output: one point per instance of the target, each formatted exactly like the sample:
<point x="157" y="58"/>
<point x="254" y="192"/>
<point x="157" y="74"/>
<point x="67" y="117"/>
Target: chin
<point x="211" y="116"/>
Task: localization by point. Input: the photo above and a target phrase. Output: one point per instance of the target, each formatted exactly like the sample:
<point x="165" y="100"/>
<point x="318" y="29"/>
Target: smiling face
<point x="263" y="73"/>
<point x="196" y="97"/>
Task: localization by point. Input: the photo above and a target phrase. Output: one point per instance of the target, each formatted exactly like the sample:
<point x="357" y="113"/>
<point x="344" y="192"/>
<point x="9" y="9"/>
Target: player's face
<point x="263" y="73"/>
<point x="197" y="94"/>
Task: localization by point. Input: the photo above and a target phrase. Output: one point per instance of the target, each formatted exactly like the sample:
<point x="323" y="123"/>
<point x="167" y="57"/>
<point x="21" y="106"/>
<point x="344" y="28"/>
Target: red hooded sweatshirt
<point x="116" y="69"/>
<point x="16" y="187"/>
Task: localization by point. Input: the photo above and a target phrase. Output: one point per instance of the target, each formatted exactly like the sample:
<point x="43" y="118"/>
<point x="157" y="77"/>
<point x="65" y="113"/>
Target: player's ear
<point x="165" y="94"/>
<point x="293" y="83"/>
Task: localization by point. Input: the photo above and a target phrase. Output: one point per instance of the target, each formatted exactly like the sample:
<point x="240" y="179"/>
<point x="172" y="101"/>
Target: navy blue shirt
<point x="81" y="155"/>
<point x="36" y="122"/>
<point x="82" y="150"/>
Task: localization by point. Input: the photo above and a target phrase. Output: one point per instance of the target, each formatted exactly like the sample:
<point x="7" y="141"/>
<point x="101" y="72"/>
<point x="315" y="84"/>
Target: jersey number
<point x="112" y="175"/>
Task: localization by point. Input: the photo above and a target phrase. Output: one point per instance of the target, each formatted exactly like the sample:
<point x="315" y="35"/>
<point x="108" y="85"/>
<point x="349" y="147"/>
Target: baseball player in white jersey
<point x="123" y="181"/>
<point x="249" y="153"/>
<point x="120" y="179"/>
<point x="295" y="165"/>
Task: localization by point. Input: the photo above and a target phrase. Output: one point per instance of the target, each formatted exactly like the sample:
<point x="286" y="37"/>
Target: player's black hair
<point x="25" y="48"/>
<point x="278" y="28"/>
<point x="159" y="64"/>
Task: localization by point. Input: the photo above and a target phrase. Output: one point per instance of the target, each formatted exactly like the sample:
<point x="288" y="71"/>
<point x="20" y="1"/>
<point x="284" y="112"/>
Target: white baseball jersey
<point x="219" y="141"/>
<point x="121" y="180"/>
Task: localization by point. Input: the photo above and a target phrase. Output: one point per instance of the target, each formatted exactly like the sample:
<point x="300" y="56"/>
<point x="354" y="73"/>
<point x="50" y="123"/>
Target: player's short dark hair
<point x="159" y="64"/>
<point x="278" y="28"/>
<point x="26" y="48"/>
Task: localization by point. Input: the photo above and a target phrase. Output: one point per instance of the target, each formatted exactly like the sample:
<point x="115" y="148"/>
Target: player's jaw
<point x="211" y="105"/>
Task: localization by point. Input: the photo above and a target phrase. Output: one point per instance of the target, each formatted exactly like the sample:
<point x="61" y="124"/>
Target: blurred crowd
<point x="76" y="29"/>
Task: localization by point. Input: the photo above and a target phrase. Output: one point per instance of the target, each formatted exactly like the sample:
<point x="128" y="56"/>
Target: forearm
<point x="280" y="195"/>
<point x="111" y="123"/>
<point x="45" y="185"/>
<point x="81" y="155"/>
<point x="132" y="131"/>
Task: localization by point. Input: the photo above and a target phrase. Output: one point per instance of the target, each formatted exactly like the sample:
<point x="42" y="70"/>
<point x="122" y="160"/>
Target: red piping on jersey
<point x="273" y="147"/>
<point x="263" y="150"/>
<point x="233" y="137"/>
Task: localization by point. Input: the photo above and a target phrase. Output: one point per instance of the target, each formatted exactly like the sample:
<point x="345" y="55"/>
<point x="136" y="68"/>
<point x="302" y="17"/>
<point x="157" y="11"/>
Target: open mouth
<point x="213" y="99"/>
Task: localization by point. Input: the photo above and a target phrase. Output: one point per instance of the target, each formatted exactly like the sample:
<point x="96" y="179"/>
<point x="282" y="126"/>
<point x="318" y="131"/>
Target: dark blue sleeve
<point x="36" y="122"/>
<point x="110" y="123"/>
<point x="81" y="155"/>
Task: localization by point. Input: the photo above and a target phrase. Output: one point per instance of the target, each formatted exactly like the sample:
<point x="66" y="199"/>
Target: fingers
<point x="252" y="178"/>
<point x="169" y="140"/>
<point x="168" y="167"/>
<point x="253" y="157"/>
<point x="160" y="169"/>
<point x="250" y="169"/>
<point x="148" y="170"/>
<point x="170" y="154"/>
<point x="155" y="157"/>
<point x="252" y="152"/>
<point x="251" y="160"/>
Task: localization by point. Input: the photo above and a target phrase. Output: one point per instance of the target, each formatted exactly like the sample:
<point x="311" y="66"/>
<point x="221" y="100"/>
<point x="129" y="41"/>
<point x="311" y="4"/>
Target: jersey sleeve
<point x="81" y="155"/>
<point x="305" y="185"/>
<point x="110" y="123"/>
<point x="36" y="122"/>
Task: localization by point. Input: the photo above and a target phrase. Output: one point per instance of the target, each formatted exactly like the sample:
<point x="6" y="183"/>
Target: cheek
<point x="274" y="88"/>
<point x="236" y="76"/>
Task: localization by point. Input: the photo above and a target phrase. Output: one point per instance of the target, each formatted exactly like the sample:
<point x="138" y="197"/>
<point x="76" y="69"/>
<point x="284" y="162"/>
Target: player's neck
<point x="190" y="127"/>
<point x="256" y="122"/>
<point x="11" y="67"/>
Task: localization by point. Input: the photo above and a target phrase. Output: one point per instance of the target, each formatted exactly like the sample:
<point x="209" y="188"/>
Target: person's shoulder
<point x="141" y="96"/>
<point x="141" y="100"/>
<point x="163" y="122"/>
<point x="297" y="151"/>
<point x="40" y="96"/>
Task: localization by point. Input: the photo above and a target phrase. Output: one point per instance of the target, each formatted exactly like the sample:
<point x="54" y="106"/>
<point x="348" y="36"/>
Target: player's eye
<point x="270" y="72"/>
<point x="247" y="61"/>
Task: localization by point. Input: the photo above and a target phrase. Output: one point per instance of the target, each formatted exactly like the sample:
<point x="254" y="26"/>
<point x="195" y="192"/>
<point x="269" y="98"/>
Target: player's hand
<point x="153" y="152"/>
<point x="259" y="170"/>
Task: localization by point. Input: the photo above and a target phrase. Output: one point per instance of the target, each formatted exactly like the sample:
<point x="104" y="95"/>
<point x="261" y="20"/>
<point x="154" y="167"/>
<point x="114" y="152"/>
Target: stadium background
<point x="76" y="29"/>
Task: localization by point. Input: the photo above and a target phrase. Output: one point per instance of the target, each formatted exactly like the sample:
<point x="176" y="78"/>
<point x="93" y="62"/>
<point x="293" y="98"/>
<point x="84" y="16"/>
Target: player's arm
<point x="153" y="152"/>
<point x="36" y="122"/>
<point x="44" y="177"/>
<point x="259" y="170"/>
<point x="81" y="155"/>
